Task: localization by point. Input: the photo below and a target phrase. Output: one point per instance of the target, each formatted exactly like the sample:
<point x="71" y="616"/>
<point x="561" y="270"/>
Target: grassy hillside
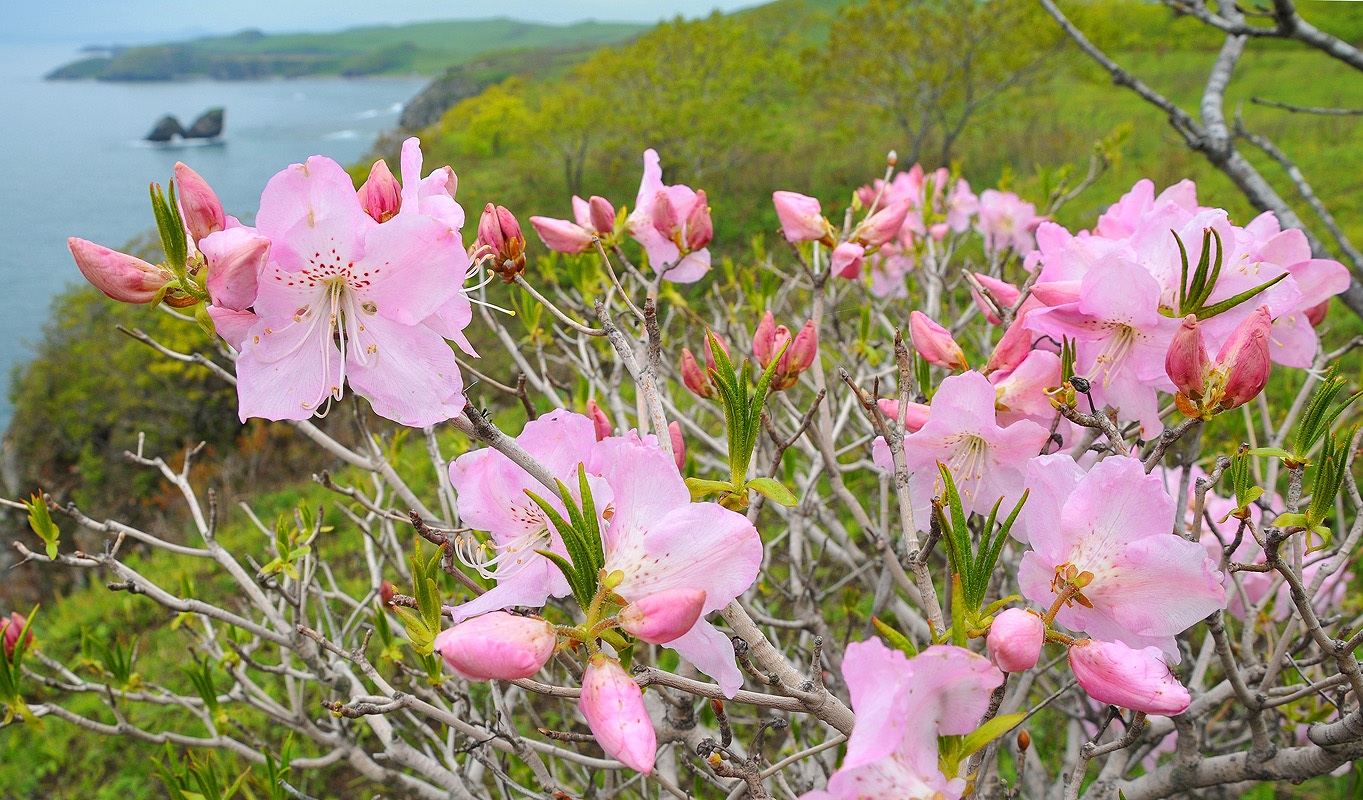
<point x="423" y="48"/>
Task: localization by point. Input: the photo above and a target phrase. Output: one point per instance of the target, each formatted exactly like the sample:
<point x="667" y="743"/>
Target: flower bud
<point x="1012" y="348"/>
<point x="938" y="231"/>
<point x="124" y="278"/>
<point x="499" y="231"/>
<point x="697" y="380"/>
<point x="614" y="707"/>
<point x="709" y="351"/>
<point x="602" y="215"/>
<point x="497" y="646"/>
<point x="236" y="257"/>
<point x="381" y="194"/>
<point x="664" y="217"/>
<point x="562" y="236"/>
<point x="802" y="352"/>
<point x="1244" y="360"/>
<point x="848" y="259"/>
<point x="935" y="343"/>
<point x="10" y="628"/>
<point x="764" y="345"/>
<point x="915" y="414"/>
<point x="882" y="226"/>
<point x="678" y="443"/>
<point x="663" y="616"/>
<point x="199" y="204"/>
<point x="387" y="591"/>
<point x="1186" y="362"/>
<point x="1004" y="292"/>
<point x="599" y="419"/>
<point x="1015" y="639"/>
<point x="1138" y="680"/>
<point x="1316" y="314"/>
<point x="801" y="217"/>
<point x="700" y="229"/>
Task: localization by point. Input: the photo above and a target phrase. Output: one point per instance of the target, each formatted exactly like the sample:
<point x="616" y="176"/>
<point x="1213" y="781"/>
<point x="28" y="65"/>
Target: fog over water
<point x="76" y="164"/>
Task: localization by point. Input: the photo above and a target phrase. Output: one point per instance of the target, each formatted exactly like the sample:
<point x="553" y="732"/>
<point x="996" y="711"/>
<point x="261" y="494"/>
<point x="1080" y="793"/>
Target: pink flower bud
<point x="700" y="229"/>
<point x="10" y="628"/>
<point x="499" y="231"/>
<point x="663" y="616"/>
<point x="1244" y="360"/>
<point x="599" y="419"/>
<point x="562" y="236"/>
<point x="664" y="217"/>
<point x="1015" y="639"/>
<point x="848" y="259"/>
<point x="1012" y="347"/>
<point x="614" y="707"/>
<point x="1004" y="292"/>
<point x="935" y="343"/>
<point x="802" y="352"/>
<point x="1056" y="293"/>
<point x="915" y="414"/>
<point x="1139" y="680"/>
<point x="236" y="257"/>
<point x="1186" y="362"/>
<point x="381" y="194"/>
<point x="125" y="278"/>
<point x="697" y="380"/>
<point x="1316" y="314"/>
<point x="801" y="217"/>
<point x="882" y="226"/>
<point x="602" y="215"/>
<point x="678" y="443"/>
<point x="497" y="646"/>
<point x="764" y="346"/>
<point x="938" y="231"/>
<point x="199" y="204"/>
<point x="387" y="591"/>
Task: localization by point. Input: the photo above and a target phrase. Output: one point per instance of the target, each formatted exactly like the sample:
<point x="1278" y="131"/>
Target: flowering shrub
<point x="1025" y="480"/>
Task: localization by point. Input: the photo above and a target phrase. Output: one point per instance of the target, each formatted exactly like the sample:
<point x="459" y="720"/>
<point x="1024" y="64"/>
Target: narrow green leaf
<point x="989" y="731"/>
<point x="896" y="639"/>
<point x="774" y="490"/>
<point x="1272" y="452"/>
<point x="1232" y="302"/>
<point x="701" y="488"/>
<point x="580" y="593"/>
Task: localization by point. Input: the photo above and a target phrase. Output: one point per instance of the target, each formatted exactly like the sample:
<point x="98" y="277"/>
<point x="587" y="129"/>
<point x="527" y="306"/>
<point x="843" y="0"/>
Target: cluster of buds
<point x="499" y="235"/>
<point x="696" y="378"/>
<point x="1239" y="374"/>
<point x="10" y="628"/>
<point x="593" y="219"/>
<point x="772" y="342"/>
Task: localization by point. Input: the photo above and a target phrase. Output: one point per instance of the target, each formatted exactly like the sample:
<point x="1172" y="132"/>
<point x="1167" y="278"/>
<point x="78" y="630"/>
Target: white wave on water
<point x="348" y="133"/>
<point x="368" y="113"/>
<point x="179" y="144"/>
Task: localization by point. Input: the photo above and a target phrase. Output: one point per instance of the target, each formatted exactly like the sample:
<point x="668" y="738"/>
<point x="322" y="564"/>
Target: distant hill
<point x="423" y="48"/>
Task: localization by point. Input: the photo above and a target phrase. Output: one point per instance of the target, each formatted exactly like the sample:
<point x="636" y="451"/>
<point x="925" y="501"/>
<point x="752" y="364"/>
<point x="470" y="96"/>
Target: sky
<point x="145" y="21"/>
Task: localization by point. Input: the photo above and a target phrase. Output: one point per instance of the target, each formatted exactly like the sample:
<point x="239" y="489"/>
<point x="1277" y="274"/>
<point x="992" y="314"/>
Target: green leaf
<point x="1291" y="521"/>
<point x="205" y="321"/>
<point x="898" y="640"/>
<point x="774" y="490"/>
<point x="701" y="488"/>
<point x="1271" y="452"/>
<point x="40" y="520"/>
<point x="988" y="732"/>
<point x="1232" y="302"/>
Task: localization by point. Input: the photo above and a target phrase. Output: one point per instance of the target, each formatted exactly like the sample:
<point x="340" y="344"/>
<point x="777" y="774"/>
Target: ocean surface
<point x="74" y="163"/>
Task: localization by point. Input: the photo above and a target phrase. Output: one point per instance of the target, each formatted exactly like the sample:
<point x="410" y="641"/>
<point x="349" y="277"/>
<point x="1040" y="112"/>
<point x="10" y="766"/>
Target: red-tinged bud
<point x="882" y="226"/>
<point x="663" y="616"/>
<point x="665" y="219"/>
<point x="1316" y="314"/>
<point x="848" y="260"/>
<point x="499" y="231"/>
<point x="497" y="646"/>
<point x="803" y="350"/>
<point x="678" y="443"/>
<point x="938" y="231"/>
<point x="124" y="278"/>
<point x="381" y="194"/>
<point x="764" y="345"/>
<point x="386" y="594"/>
<point x="10" y="628"/>
<point x="562" y="236"/>
<point x="697" y="380"/>
<point x="801" y="217"/>
<point x="235" y="257"/>
<point x="1186" y="363"/>
<point x="1244" y="360"/>
<point x="1015" y="639"/>
<point x="915" y="414"/>
<point x="602" y="215"/>
<point x="700" y="230"/>
<point x="1113" y="673"/>
<point x="199" y="204"/>
<point x="614" y="707"/>
<point x="710" y="353"/>
<point x="935" y="343"/>
<point x="1005" y="293"/>
<point x="1012" y="347"/>
<point x="1057" y="293"/>
<point x="599" y="420"/>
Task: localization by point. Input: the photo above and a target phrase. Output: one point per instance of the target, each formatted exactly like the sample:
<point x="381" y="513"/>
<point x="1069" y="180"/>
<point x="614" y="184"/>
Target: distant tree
<point x="930" y="65"/>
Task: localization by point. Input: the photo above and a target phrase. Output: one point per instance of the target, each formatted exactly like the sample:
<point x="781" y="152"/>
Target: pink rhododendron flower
<point x="614" y="707"/>
<point x="1004" y="292"/>
<point x="1021" y="392"/>
<point x="236" y="257"/>
<point x="902" y="706"/>
<point x="1114" y="523"/>
<point x="801" y="217"/>
<point x="497" y="646"/>
<point x="344" y="298"/>
<point x="562" y="236"/>
<point x="1007" y="221"/>
<point x="848" y="259"/>
<point x="1015" y="639"/>
<point x="1121" y="676"/>
<point x="664" y="255"/>
<point x="654" y="536"/>
<point x="986" y="459"/>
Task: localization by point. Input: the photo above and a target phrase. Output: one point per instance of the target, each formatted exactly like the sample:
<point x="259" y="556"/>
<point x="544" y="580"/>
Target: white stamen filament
<point x="509" y="559"/>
